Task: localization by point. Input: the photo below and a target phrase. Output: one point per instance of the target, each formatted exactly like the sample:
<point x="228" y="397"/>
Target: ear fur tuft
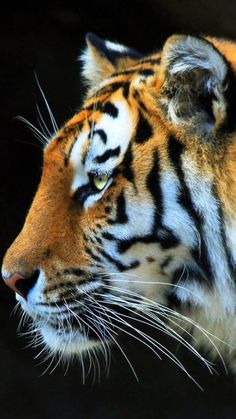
<point x="101" y="58"/>
<point x="195" y="76"/>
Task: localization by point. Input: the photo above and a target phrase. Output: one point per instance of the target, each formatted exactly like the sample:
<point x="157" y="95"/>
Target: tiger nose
<point x="22" y="285"/>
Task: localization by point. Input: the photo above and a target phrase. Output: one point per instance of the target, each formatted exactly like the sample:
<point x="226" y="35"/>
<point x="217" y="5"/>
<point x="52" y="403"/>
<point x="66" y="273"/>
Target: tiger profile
<point x="134" y="219"/>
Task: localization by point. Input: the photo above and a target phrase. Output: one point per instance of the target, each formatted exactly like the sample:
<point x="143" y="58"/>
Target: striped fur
<point x="162" y="231"/>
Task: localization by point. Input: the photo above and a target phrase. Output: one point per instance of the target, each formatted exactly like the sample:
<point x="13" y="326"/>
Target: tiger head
<point x="135" y="207"/>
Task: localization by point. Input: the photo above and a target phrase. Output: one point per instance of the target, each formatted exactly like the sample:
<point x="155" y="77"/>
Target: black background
<point x="47" y="40"/>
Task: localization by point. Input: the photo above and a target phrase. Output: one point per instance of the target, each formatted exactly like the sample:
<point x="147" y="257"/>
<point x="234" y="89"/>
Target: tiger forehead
<point x="105" y="136"/>
<point x="123" y="86"/>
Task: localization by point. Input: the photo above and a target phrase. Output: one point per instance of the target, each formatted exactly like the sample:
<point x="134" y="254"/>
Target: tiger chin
<point x="134" y="219"/>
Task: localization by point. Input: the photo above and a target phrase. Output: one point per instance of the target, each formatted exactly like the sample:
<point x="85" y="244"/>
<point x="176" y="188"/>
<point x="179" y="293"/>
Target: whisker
<point x="121" y="349"/>
<point x="156" y="344"/>
<point x="41" y="137"/>
<point x="53" y="121"/>
<point x="160" y="325"/>
<point x="157" y="306"/>
<point x="44" y="125"/>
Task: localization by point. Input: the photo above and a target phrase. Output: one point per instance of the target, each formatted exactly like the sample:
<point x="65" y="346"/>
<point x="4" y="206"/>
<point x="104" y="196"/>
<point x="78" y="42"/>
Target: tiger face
<point x="134" y="214"/>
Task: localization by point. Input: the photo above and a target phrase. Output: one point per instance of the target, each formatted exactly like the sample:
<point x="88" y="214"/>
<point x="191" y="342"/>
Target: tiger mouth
<point x="69" y="334"/>
<point x="71" y="328"/>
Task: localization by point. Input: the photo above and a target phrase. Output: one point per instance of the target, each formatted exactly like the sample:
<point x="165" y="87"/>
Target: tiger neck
<point x="208" y="195"/>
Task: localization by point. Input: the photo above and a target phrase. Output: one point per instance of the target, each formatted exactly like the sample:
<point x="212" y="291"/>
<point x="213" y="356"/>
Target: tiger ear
<point x="195" y="82"/>
<point x="101" y="58"/>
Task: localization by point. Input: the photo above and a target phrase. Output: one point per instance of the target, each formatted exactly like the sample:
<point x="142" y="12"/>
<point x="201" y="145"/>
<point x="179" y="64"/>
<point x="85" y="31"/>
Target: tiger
<point x="134" y="218"/>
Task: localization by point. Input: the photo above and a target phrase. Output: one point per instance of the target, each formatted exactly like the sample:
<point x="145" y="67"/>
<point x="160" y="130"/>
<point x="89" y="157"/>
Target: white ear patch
<point x="115" y="47"/>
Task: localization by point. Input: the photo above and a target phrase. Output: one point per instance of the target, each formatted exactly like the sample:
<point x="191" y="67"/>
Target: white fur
<point x="66" y="343"/>
<point x="90" y="69"/>
<point x="196" y="54"/>
<point x="201" y="192"/>
<point x="118" y="131"/>
<point x="80" y="177"/>
<point x="175" y="215"/>
<point x="136" y="210"/>
<point x="230" y="232"/>
<point x="115" y="46"/>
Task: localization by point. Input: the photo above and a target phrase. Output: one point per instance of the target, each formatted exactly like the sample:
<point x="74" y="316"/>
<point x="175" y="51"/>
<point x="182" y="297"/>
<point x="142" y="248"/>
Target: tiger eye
<point x="100" y="181"/>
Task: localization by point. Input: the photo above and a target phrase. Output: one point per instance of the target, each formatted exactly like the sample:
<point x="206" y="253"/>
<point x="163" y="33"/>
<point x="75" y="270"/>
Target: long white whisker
<point x="153" y="342"/>
<point x="119" y="346"/>
<point x="41" y="137"/>
<point x="44" y="125"/>
<point x="160" y="325"/>
<point x="152" y="283"/>
<point x="53" y="121"/>
<point x="160" y="307"/>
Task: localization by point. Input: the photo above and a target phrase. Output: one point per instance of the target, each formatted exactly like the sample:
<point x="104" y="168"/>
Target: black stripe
<point x="121" y="215"/>
<point x="185" y="275"/>
<point x="101" y="134"/>
<point x="188" y="274"/>
<point x="92" y="255"/>
<point x="140" y="102"/>
<point x="98" y="240"/>
<point x="228" y="254"/>
<point x="153" y="184"/>
<point x="111" y="88"/>
<point x="126" y="89"/>
<point x="166" y="262"/>
<point x="146" y="72"/>
<point x="108" y="236"/>
<point x="127" y="170"/>
<point x="120" y="266"/>
<point x="166" y="242"/>
<point x="150" y="60"/>
<point x="110" y="109"/>
<point x="112" y="152"/>
<point x="166" y="238"/>
<point x="160" y="234"/>
<point x="124" y="72"/>
<point x="143" y="72"/>
<point x="107" y="107"/>
<point x="176" y="149"/>
<point x="74" y="271"/>
<point x="82" y="193"/>
<point x="74" y="129"/>
<point x="60" y="285"/>
<point x="143" y="130"/>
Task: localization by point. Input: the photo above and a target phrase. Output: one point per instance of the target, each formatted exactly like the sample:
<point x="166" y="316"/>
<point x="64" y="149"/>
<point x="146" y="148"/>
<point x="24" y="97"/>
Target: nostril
<point x="21" y="284"/>
<point x="24" y="285"/>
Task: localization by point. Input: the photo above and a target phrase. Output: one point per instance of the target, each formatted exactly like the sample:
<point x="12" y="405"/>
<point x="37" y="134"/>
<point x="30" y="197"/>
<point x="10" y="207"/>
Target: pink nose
<point x="22" y="285"/>
<point x="12" y="281"/>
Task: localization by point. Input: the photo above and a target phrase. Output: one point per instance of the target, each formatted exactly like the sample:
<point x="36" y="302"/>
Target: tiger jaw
<point x="93" y="320"/>
<point x="61" y="334"/>
<point x="66" y="343"/>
